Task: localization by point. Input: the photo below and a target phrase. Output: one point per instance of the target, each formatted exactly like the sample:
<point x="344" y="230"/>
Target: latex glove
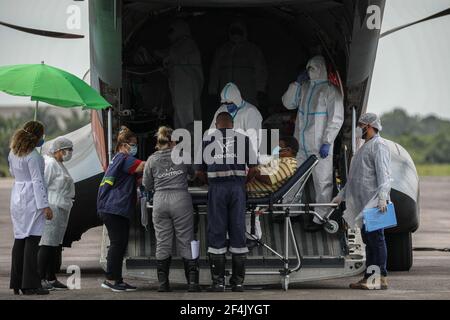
<point x="337" y="200"/>
<point x="304" y="76"/>
<point x="382" y="205"/>
<point x="324" y="150"/>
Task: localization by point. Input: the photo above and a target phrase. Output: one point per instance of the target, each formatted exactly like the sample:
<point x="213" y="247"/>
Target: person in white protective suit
<point x="61" y="192"/>
<point x="368" y="186"/>
<point x="241" y="62"/>
<point x="246" y="120"/>
<point x="184" y="65"/>
<point x="29" y="207"/>
<point x="319" y="120"/>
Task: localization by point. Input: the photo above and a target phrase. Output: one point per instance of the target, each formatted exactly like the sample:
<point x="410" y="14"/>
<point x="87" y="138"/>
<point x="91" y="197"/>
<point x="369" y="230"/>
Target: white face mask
<point x="67" y="155"/>
<point x="314" y="73"/>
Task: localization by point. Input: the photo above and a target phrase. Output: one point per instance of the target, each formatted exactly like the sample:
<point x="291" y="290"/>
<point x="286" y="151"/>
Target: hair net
<point x="59" y="144"/>
<point x="371" y="119"/>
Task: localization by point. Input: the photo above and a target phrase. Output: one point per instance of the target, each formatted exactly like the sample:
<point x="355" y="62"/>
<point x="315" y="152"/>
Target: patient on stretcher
<point x="271" y="176"/>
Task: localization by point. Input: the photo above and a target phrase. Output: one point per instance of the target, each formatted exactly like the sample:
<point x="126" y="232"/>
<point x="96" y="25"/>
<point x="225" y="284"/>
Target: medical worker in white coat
<point x="29" y="207"/>
<point x="319" y="120"/>
<point x="369" y="186"/>
<point x="246" y="120"/>
<point x="61" y="192"/>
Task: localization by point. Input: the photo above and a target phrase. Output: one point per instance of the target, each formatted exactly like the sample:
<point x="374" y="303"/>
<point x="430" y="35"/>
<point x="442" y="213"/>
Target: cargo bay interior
<point x="287" y="37"/>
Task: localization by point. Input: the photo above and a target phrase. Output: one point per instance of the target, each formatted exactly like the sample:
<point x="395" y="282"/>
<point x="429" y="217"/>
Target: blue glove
<point x="324" y="150"/>
<point x="304" y="76"/>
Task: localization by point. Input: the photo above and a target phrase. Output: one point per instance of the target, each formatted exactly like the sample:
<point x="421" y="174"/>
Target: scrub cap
<point x="371" y="119"/>
<point x="60" y="144"/>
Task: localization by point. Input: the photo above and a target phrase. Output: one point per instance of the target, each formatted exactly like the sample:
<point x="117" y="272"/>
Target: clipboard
<point x="375" y="220"/>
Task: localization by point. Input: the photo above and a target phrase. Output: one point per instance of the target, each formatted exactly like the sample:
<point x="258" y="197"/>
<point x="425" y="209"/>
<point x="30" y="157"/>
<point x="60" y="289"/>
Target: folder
<point x="375" y="220"/>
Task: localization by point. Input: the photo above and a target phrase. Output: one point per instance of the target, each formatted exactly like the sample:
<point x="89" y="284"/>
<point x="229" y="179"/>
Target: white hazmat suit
<point x="185" y="76"/>
<point x="319" y="120"/>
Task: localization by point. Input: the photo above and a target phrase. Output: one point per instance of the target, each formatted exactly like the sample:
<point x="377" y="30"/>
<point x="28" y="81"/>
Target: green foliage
<point x="52" y="129"/>
<point x="426" y="138"/>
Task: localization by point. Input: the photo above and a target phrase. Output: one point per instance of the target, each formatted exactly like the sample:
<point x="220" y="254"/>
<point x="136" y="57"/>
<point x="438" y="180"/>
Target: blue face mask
<point x="133" y="150"/>
<point x="40" y="143"/>
<point x="276" y="151"/>
<point x="231" y="108"/>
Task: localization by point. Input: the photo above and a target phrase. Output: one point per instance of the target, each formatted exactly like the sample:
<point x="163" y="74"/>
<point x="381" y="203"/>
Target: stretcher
<point x="285" y="203"/>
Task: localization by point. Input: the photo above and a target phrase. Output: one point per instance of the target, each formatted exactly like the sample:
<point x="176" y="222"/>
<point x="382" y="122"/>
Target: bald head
<point x="224" y="121"/>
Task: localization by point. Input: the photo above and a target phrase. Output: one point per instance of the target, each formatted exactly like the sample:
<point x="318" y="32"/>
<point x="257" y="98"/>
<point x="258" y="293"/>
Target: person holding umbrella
<point x="29" y="207"/>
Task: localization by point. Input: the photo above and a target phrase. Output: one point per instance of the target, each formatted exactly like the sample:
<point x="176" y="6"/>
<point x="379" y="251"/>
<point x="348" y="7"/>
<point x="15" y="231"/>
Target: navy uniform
<point x="226" y="156"/>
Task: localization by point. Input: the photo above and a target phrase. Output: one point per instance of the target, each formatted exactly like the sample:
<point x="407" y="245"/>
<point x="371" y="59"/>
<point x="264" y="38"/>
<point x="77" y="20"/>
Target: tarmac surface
<point x="428" y="279"/>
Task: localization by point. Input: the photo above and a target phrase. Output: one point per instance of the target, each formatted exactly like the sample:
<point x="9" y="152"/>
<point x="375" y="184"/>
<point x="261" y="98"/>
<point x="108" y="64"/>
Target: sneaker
<point x="361" y="284"/>
<point x="58" y="285"/>
<point x="47" y="285"/>
<point x="112" y="287"/>
<point x="128" y="287"/>
<point x="237" y="288"/>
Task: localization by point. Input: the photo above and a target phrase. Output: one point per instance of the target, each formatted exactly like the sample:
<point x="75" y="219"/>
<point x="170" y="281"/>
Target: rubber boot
<point x="238" y="272"/>
<point x="162" y="267"/>
<point x="217" y="263"/>
<point x="191" y="271"/>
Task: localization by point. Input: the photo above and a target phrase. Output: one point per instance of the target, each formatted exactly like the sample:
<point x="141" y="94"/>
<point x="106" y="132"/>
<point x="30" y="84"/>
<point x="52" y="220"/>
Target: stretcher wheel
<point x="331" y="227"/>
<point x="285" y="282"/>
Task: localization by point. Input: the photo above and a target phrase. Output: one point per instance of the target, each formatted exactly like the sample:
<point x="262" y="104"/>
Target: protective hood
<point x="237" y="31"/>
<point x="59" y="144"/>
<point x="179" y="29"/>
<point x="231" y="94"/>
<point x="317" y="68"/>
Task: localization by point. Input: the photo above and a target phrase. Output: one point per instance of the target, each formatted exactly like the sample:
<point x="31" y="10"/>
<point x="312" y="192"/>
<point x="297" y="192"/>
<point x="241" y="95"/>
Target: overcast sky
<point x="412" y="68"/>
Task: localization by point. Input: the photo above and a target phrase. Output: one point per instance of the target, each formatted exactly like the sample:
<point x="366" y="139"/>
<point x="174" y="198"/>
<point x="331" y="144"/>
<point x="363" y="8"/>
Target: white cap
<point x="371" y="119"/>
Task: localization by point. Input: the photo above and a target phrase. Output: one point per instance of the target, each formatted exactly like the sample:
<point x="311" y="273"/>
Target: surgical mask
<point x="276" y="151"/>
<point x="133" y="150"/>
<point x="314" y="73"/>
<point x="231" y="108"/>
<point x="67" y="155"/>
<point x="360" y="133"/>
<point x="40" y="143"/>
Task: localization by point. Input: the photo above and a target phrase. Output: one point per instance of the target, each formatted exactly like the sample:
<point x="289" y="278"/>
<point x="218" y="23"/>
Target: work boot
<point x="361" y="284"/>
<point x="217" y="263"/>
<point x="191" y="271"/>
<point x="384" y="283"/>
<point x="238" y="270"/>
<point x="162" y="267"/>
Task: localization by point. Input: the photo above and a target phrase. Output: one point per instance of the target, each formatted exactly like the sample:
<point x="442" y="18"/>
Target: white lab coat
<point x="28" y="195"/>
<point x="61" y="191"/>
<point x="369" y="180"/>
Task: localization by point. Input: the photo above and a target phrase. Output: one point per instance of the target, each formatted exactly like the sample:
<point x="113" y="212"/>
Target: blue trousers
<point x="226" y="214"/>
<point x="376" y="251"/>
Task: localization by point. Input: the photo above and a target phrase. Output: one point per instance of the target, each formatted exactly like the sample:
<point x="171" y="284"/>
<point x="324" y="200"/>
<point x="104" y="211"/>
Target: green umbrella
<point x="44" y="83"/>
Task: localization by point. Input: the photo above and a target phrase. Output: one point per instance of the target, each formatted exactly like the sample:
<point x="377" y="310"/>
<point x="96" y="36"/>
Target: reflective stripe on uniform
<point x="229" y="173"/>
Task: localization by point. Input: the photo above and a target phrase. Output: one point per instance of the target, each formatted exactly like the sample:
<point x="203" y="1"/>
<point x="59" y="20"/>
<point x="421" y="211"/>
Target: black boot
<point x="163" y="267"/>
<point x="217" y="263"/>
<point x="192" y="275"/>
<point x="238" y="272"/>
<point x="310" y="225"/>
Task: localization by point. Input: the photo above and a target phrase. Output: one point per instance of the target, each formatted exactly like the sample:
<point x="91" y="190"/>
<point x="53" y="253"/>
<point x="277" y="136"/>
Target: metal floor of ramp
<point x="317" y="249"/>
